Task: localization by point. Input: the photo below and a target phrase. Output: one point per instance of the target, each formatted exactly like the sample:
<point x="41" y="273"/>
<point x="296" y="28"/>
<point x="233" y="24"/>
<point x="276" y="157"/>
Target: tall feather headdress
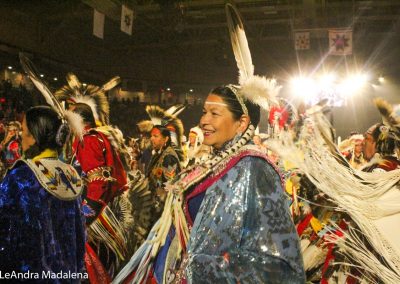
<point x="159" y="116"/>
<point x="390" y="116"/>
<point x="257" y="89"/>
<point x="387" y="135"/>
<point x="74" y="120"/>
<point x="94" y="96"/>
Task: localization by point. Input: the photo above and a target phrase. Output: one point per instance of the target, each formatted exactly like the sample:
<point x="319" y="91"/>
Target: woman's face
<point x="217" y="122"/>
<point x="157" y="139"/>
<point x="27" y="138"/>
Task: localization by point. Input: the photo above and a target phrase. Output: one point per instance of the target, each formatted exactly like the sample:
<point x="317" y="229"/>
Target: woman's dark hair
<point x="44" y="124"/>
<point x="165" y="133"/>
<point x="85" y="111"/>
<point x="234" y="106"/>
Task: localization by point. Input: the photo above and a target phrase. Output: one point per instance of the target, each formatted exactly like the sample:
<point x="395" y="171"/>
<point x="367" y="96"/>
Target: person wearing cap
<point x="379" y="149"/>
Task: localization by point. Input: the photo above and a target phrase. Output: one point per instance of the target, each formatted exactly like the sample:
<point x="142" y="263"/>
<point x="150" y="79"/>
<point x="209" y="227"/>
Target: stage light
<point x="41" y="75"/>
<point x="168" y="89"/>
<point x="55" y="79"/>
<point x="353" y="84"/>
<point x="303" y="87"/>
<point x="327" y="80"/>
<point x="9" y="67"/>
<point x="381" y="79"/>
<point x="84" y="84"/>
<point x="191" y="90"/>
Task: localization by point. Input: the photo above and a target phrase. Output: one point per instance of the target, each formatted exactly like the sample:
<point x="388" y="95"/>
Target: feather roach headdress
<point x="257" y="89"/>
<point x="387" y="133"/>
<point x="94" y="96"/>
<point x="166" y="118"/>
<point x="73" y="120"/>
<point x="390" y="117"/>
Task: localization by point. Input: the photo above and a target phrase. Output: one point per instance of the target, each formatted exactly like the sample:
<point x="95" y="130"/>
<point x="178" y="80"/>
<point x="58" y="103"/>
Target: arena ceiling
<point x="186" y="44"/>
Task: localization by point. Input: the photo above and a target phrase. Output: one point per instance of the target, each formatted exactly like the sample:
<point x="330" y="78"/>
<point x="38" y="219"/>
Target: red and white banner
<point x="98" y="24"/>
<point x="340" y="42"/>
<point x="302" y="40"/>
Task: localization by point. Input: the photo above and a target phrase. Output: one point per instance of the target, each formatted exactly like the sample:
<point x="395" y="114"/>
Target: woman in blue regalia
<point x="226" y="220"/>
<point x="41" y="225"/>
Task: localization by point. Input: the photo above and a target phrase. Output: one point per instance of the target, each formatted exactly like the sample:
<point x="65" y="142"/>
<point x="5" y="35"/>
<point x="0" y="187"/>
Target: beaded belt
<point x="100" y="173"/>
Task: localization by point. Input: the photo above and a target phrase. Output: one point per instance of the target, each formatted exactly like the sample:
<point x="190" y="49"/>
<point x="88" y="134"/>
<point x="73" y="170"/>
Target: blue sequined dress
<point x="240" y="228"/>
<point x="242" y="231"/>
<point x="40" y="232"/>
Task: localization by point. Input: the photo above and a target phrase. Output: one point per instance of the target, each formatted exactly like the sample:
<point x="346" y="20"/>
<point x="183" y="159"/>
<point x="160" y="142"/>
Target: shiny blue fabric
<point x="159" y="261"/>
<point x="38" y="232"/>
<point x="243" y="232"/>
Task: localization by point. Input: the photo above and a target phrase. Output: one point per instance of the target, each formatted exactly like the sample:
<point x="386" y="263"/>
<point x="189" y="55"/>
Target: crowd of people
<point x="81" y="203"/>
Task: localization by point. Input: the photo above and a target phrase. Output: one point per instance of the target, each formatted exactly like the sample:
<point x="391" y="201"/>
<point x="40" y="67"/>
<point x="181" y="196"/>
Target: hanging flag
<point x="126" y="20"/>
<point x="302" y="40"/>
<point x="340" y="42"/>
<point x="98" y="24"/>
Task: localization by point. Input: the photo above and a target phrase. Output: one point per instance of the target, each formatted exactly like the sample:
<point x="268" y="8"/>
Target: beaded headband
<point x="239" y="98"/>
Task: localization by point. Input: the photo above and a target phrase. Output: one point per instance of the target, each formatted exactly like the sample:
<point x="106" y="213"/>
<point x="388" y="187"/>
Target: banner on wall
<point x="126" y="20"/>
<point x="341" y="42"/>
<point x="98" y="24"/>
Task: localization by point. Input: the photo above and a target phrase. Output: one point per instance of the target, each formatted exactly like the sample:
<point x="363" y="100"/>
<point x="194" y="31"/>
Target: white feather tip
<point x="75" y="121"/>
<point x="90" y="102"/>
<point x="260" y="90"/>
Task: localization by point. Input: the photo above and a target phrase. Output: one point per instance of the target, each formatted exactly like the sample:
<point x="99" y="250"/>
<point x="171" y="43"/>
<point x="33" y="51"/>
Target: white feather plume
<point x="239" y="43"/>
<point x="76" y="122"/>
<point x="74" y="84"/>
<point x="260" y="90"/>
<point x="111" y="83"/>
<point x="175" y="110"/>
<point x="29" y="68"/>
<point x="90" y="102"/>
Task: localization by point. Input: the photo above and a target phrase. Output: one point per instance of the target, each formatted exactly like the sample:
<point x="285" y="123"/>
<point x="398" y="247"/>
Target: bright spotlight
<point x="9" y="67"/>
<point x="41" y="75"/>
<point x="327" y="80"/>
<point x="353" y="84"/>
<point x="359" y="80"/>
<point x="168" y="89"/>
<point x="304" y="87"/>
<point x="381" y="79"/>
<point x="191" y="90"/>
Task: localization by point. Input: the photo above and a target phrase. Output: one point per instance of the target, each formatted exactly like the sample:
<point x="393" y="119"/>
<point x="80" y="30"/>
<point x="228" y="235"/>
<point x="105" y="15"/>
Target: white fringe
<point x="371" y="199"/>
